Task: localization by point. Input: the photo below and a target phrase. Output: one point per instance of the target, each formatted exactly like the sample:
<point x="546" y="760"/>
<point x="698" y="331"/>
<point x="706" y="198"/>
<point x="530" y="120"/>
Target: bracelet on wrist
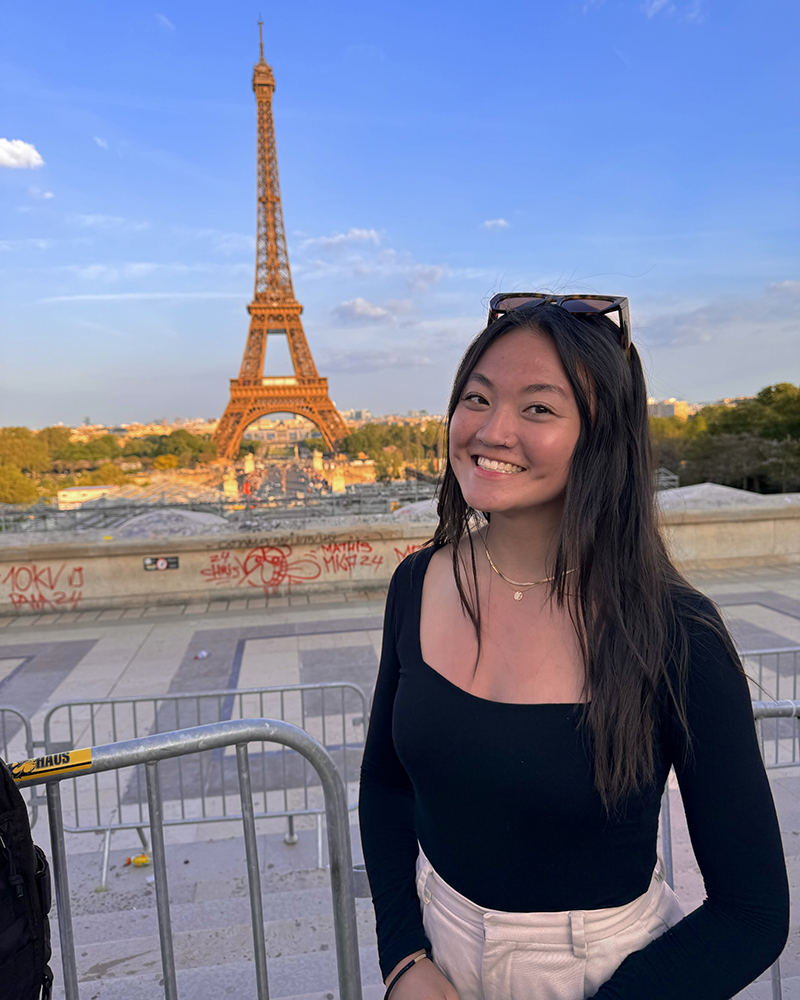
<point x="402" y="972"/>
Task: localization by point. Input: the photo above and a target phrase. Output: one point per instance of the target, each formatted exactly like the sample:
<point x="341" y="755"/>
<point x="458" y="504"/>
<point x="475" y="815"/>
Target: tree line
<point x="752" y="445"/>
<point x="39" y="463"/>
<point x="392" y="445"/>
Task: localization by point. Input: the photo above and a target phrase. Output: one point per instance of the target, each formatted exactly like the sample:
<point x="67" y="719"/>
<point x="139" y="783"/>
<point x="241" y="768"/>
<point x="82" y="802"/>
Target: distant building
<point x="671" y="408"/>
<point x="288" y="431"/>
<point x="733" y="400"/>
<point x="73" y="496"/>
<point x="356" y="416"/>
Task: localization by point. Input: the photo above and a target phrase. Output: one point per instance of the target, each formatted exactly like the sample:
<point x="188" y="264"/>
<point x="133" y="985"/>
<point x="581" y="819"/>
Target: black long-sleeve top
<point x="501" y="798"/>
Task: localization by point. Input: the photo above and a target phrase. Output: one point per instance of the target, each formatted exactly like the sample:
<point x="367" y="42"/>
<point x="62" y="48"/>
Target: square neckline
<point x="429" y="552"/>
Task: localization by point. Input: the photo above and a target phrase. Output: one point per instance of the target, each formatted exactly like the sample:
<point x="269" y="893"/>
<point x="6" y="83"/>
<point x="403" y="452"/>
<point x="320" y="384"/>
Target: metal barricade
<point x="52" y="769"/>
<point x="16" y="732"/>
<point x="773" y="675"/>
<point x="200" y="789"/>
<point x="762" y="710"/>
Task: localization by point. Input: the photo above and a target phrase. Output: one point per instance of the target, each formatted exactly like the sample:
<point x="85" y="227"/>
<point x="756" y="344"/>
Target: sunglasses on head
<point x="614" y="306"/>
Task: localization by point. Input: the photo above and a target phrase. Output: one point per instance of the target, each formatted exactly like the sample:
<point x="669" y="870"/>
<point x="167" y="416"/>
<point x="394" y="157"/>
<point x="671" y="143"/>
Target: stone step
<point x="302" y="904"/>
<point x="216" y="944"/>
<point x="116" y="932"/>
<point x="291" y="977"/>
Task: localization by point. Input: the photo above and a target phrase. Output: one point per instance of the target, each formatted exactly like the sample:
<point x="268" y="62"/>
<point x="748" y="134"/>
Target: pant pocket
<point x="514" y="970"/>
<point x="456" y="949"/>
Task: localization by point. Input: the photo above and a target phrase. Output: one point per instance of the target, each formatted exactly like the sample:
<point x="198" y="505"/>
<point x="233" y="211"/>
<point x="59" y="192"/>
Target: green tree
<point x="729" y="459"/>
<point x="165" y="462"/>
<point x="21" y="448"/>
<point x="107" y="474"/>
<point x="55" y="439"/>
<point x="16" y="488"/>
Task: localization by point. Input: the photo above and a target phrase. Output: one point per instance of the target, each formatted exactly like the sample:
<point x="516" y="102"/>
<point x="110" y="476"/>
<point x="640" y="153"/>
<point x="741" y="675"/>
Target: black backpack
<point x="24" y="902"/>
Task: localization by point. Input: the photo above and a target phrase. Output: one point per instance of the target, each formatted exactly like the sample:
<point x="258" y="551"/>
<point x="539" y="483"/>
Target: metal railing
<point x="203" y="788"/>
<point x="149" y="750"/>
<point x="15" y="729"/>
<point x="774" y="674"/>
<point x="762" y="710"/>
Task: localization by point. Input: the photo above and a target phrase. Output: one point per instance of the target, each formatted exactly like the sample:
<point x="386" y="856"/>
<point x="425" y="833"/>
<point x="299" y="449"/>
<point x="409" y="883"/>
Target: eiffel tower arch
<point x="274" y="310"/>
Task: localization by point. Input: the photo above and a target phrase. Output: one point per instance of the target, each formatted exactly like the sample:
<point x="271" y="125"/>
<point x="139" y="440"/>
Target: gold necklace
<point x="518" y="594"/>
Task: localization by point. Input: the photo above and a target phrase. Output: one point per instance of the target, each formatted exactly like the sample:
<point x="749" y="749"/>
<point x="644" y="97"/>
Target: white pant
<point x="566" y="955"/>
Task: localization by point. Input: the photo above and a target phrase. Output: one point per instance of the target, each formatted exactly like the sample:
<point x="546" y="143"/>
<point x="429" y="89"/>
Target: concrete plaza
<point x="264" y="641"/>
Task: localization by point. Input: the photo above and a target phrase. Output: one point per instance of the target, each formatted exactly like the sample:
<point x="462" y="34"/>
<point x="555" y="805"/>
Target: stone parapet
<point x="39" y="576"/>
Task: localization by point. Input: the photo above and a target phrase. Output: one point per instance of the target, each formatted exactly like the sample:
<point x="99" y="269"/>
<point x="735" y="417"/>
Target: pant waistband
<point x="568" y="927"/>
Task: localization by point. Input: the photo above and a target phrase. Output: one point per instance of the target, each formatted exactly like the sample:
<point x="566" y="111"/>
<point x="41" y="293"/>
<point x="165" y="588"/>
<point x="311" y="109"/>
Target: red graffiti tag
<point x="343" y="557"/>
<point x="402" y="553"/>
<point x="37" y="587"/>
<point x="265" y="567"/>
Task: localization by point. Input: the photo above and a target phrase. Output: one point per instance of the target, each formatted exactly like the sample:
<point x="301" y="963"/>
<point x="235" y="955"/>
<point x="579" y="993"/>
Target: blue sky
<point x="430" y="155"/>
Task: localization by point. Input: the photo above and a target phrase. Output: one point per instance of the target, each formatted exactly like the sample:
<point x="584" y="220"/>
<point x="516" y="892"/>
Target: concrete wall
<point x="41" y="577"/>
<point x="44" y="577"/>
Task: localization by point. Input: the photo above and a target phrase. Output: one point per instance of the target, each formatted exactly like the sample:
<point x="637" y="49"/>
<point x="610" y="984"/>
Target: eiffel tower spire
<point x="273" y="277"/>
<point x="274" y="309"/>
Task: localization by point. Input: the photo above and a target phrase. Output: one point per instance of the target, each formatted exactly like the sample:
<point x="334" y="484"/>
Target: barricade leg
<point x="160" y="872"/>
<point x="143" y="838"/>
<point x="291" y="836"/>
<point x="61" y="879"/>
<point x="320" y="851"/>
<point x="665" y="822"/>
<point x="775" y="976"/>
<point x="253" y="873"/>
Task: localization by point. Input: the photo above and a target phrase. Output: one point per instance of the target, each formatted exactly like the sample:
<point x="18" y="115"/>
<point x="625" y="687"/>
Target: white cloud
<point x="366" y="361"/>
<point x="359" y="310"/>
<point x="17" y="154"/>
<point x="106" y="222"/>
<point x="102" y="143"/>
<point x="732" y="346"/>
<point x="38" y="193"/>
<point x="495" y="224"/>
<point x="653" y="7"/>
<point x="165" y="22"/>
<point x="338" y="240"/>
<point x="153" y="296"/>
<point x="421" y="276"/>
<point x="7" y="246"/>
<point x="224" y="243"/>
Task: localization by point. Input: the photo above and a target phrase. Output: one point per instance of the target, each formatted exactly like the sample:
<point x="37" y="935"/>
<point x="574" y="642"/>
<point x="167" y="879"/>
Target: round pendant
<point x="517" y="595"/>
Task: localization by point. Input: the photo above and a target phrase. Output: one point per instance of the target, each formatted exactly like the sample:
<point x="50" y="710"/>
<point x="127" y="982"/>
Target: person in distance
<point x="544" y="665"/>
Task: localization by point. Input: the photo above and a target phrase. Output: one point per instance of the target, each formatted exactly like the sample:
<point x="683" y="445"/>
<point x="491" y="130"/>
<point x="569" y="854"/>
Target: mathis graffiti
<point x="34" y="587"/>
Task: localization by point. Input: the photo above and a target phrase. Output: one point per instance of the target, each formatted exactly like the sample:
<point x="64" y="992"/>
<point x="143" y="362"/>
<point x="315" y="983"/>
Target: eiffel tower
<point x="274" y="310"/>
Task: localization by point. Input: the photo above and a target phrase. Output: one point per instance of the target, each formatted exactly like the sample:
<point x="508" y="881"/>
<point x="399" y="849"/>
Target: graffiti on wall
<point x="406" y="551"/>
<point x="36" y="587"/>
<point x="267" y="567"/>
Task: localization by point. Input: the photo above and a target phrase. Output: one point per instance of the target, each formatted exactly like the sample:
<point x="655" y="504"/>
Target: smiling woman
<point x="545" y="691"/>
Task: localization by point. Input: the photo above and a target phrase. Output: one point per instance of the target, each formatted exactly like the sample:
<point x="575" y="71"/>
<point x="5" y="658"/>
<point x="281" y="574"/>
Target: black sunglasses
<point x="614" y="306"/>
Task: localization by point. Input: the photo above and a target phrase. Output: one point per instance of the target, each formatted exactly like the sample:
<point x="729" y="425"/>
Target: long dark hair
<point x="623" y="595"/>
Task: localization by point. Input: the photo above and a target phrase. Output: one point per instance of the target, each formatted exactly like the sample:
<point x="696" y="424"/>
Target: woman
<point x="543" y="667"/>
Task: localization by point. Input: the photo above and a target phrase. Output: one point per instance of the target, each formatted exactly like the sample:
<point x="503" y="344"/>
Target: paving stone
<point x="48" y="619"/>
<point x="24" y="621"/>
